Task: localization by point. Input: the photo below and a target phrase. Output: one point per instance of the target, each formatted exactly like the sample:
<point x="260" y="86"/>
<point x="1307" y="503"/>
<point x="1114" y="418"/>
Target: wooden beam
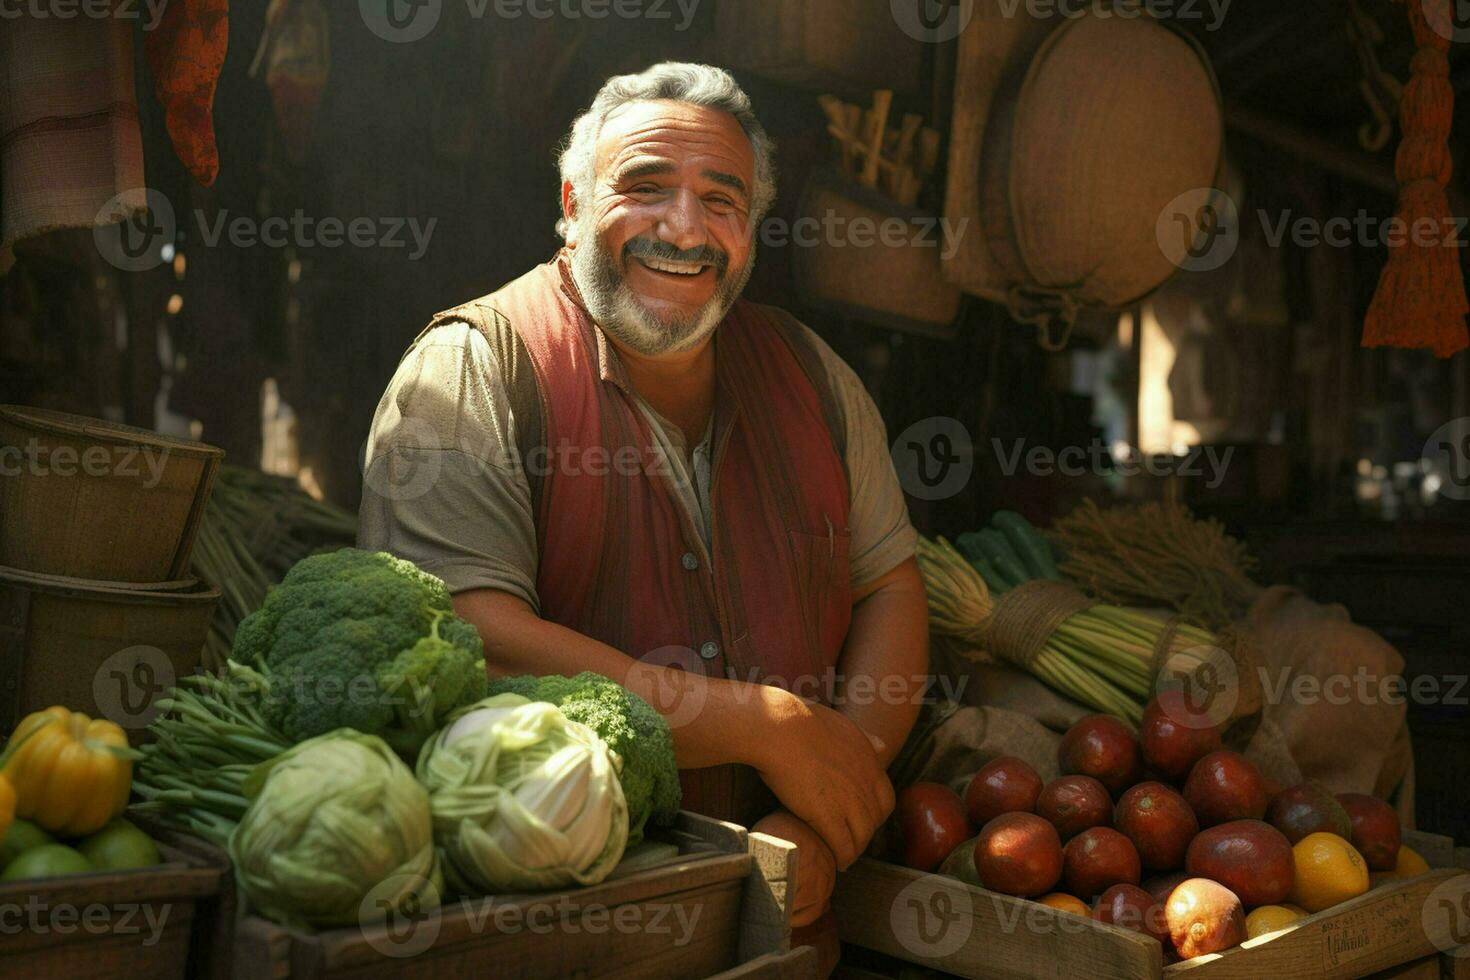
<point x="1349" y="162"/>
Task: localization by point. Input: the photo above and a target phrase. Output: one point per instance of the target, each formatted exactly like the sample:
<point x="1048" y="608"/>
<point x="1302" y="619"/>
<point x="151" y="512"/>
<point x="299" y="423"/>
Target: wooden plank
<point x="475" y="920"/>
<point x="765" y="914"/>
<point x="685" y="934"/>
<point x="941" y="922"/>
<point x="798" y="964"/>
<point x="692" y="916"/>
<point x="1455" y="965"/>
<point x="1423" y="969"/>
<point x="1385" y="927"/>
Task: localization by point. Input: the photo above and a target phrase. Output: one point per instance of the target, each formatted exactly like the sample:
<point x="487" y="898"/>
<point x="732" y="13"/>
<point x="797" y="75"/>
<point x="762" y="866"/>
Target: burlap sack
<point x="1323" y="679"/>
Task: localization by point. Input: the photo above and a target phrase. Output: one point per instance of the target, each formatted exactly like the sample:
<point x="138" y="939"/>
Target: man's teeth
<point x="677" y="268"/>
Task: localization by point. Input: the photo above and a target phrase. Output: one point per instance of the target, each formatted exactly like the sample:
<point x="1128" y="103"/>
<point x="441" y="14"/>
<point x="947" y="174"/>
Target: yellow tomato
<point x="71" y="774"/>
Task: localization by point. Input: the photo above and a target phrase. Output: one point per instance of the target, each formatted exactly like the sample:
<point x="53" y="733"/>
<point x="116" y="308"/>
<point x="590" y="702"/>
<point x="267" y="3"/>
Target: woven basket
<point x="88" y="646"/>
<point x="91" y="499"/>
<point x="1086" y="129"/>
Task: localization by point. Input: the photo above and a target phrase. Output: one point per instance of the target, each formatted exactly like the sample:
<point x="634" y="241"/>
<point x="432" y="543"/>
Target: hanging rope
<point x="1041" y="307"/>
<point x="1420" y="300"/>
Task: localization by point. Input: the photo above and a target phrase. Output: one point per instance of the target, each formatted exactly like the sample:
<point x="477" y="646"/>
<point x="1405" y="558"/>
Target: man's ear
<point x="569" y="212"/>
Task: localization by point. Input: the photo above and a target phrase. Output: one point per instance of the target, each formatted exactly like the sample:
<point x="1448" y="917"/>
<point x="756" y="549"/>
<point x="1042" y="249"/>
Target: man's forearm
<point x="712" y="719"/>
<point x="885" y="662"/>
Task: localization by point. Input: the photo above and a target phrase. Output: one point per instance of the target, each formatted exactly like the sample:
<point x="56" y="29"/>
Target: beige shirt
<point x="444" y="487"/>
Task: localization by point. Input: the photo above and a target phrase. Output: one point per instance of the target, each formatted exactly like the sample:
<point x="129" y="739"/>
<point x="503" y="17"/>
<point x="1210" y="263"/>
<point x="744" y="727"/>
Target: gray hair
<point x="701" y="85"/>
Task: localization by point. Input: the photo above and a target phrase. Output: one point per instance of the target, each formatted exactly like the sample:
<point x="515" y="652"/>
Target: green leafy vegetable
<point x="337" y="833"/>
<point x="523" y="799"/>
<point x="631" y="728"/>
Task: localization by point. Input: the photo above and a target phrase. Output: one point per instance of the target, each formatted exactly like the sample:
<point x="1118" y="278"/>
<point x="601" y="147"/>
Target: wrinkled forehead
<point x="676" y="132"/>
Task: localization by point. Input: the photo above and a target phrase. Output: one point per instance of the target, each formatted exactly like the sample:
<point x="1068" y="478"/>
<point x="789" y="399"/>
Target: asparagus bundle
<point x="1007" y="600"/>
<point x="208" y="737"/>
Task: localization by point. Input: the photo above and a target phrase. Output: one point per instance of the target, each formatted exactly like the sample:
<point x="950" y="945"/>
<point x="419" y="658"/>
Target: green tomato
<point x="119" y="845"/>
<point x="23" y="836"/>
<point x="44" y="862"/>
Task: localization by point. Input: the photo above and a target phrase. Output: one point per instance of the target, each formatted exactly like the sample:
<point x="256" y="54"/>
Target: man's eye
<point x="644" y="189"/>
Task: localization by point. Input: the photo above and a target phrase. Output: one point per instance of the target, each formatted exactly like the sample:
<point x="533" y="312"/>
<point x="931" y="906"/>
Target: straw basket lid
<point x="1072" y="137"/>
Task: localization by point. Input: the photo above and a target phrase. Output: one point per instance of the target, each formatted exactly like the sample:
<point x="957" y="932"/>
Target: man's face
<point x="663" y="247"/>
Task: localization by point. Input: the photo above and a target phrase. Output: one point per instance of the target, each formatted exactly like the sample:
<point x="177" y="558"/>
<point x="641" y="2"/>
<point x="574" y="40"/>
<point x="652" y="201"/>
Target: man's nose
<point x="682" y="222"/>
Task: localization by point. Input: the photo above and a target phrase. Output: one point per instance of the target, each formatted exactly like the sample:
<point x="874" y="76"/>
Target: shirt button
<point x="710" y="650"/>
<point x="690" y="562"/>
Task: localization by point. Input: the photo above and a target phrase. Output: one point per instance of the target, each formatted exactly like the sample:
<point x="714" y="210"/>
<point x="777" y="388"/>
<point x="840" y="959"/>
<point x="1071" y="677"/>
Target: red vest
<point x="619" y="559"/>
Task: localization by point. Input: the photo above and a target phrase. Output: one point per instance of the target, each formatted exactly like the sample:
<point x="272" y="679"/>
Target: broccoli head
<point x="364" y="640"/>
<point x="629" y="726"/>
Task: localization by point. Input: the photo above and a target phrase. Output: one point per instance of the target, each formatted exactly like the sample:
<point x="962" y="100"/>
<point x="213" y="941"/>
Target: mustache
<point x="656" y="249"/>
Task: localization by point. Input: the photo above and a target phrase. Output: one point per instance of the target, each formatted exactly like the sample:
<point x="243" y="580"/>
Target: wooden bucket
<point x="92" y="499"/>
<point x="92" y="647"/>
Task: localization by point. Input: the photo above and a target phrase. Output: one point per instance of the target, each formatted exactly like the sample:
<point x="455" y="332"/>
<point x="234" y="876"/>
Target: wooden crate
<point x="113" y="925"/>
<point x="944" y="923"/>
<point x="719" y="908"/>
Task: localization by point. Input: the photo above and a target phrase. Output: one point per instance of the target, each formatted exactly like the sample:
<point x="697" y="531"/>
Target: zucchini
<point x="1002" y="556"/>
<point x="994" y="581"/>
<point x="1027" y="542"/>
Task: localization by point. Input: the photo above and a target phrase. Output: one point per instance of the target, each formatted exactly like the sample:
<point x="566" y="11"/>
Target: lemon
<point x="1269" y="918"/>
<point x="1328" y="870"/>
<point x="1409" y="863"/>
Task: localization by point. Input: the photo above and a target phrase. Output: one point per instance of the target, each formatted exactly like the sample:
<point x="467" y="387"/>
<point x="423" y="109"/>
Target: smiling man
<point x="619" y="465"/>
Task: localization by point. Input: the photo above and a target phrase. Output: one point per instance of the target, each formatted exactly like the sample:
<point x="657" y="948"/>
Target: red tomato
<point x="933" y="822"/>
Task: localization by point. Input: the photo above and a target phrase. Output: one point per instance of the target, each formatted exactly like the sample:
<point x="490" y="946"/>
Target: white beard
<point x="618" y="310"/>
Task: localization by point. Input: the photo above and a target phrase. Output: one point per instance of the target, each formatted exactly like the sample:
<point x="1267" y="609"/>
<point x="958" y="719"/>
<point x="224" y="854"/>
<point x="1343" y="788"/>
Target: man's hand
<point x="825" y="770"/>
<point x="816" y="867"/>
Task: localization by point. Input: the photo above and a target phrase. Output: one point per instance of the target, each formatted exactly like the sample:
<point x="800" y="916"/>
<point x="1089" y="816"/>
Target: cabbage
<point x="522" y="798"/>
<point x="337" y="833"/>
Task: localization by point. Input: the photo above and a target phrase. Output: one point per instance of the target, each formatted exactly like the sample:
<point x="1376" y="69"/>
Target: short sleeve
<point x="442" y="483"/>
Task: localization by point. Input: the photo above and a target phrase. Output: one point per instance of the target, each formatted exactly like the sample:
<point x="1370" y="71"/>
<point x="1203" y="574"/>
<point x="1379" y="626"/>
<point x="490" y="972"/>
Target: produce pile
<point x="1158" y="830"/>
<point x="64" y="782"/>
<point x="1102" y="655"/>
<point x="352" y="747"/>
